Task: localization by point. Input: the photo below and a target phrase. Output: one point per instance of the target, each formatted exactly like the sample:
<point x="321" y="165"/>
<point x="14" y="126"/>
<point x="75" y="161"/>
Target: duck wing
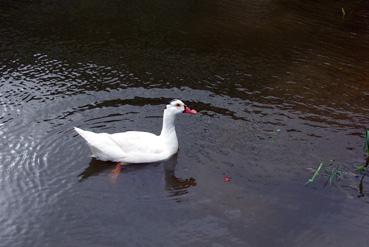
<point x="138" y="142"/>
<point x="102" y="145"/>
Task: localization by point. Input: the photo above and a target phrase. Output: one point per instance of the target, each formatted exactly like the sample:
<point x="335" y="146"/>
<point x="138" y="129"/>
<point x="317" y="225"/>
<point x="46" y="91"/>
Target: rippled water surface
<point x="280" y="85"/>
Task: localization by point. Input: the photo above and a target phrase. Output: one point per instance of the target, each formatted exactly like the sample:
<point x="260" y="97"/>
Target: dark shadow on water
<point x="173" y="184"/>
<point x="97" y="167"/>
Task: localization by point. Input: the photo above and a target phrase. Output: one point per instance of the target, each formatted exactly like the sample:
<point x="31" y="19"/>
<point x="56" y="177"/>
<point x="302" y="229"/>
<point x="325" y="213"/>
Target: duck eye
<point x="178" y="104"/>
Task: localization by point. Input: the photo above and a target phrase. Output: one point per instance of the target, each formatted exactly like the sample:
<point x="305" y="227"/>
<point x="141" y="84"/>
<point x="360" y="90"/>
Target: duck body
<point x="130" y="146"/>
<point x="138" y="146"/>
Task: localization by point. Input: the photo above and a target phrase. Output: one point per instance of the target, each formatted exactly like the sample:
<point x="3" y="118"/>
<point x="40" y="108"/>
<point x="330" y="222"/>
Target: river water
<point x="279" y="85"/>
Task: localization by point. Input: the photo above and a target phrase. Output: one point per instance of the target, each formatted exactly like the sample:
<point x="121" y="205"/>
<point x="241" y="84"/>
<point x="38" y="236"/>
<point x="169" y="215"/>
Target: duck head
<point x="176" y="106"/>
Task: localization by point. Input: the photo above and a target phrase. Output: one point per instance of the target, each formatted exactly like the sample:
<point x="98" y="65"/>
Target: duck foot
<point x="115" y="172"/>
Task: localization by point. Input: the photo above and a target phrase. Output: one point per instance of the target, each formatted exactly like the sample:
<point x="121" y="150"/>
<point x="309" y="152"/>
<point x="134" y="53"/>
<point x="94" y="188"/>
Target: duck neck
<point x="168" y="124"/>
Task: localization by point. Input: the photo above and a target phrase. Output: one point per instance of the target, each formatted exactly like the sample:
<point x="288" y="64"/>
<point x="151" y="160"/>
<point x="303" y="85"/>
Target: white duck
<point x="138" y="146"/>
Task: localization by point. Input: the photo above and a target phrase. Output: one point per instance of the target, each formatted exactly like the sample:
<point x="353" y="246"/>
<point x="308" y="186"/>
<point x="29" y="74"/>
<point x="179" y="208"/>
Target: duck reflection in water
<point x="176" y="186"/>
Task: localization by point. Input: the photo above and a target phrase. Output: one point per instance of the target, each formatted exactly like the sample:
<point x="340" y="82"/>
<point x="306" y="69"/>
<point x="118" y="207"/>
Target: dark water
<point x="280" y="85"/>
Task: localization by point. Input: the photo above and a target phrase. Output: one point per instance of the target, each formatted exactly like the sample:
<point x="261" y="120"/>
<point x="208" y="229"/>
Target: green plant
<point x="366" y="143"/>
<point x="335" y="174"/>
<point x="331" y="170"/>
<point x="362" y="168"/>
<point x="316" y="173"/>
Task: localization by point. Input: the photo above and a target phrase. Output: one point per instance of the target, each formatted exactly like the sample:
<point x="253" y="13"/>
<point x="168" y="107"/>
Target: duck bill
<point x="188" y="110"/>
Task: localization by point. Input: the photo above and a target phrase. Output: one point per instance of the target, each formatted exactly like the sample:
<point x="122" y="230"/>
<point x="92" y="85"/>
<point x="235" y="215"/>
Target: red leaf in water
<point x="227" y="179"/>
